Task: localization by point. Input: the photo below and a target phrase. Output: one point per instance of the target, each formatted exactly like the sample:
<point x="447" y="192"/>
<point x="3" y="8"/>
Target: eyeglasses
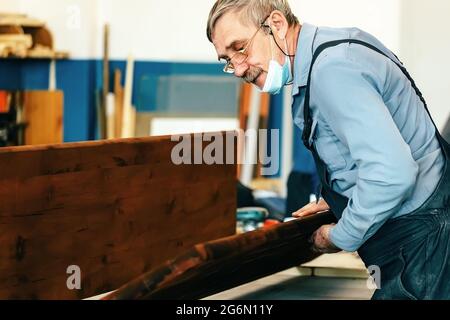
<point x="240" y="56"/>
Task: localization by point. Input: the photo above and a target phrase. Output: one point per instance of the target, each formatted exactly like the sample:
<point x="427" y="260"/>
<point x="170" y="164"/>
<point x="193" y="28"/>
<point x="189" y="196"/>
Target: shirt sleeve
<point x="348" y="98"/>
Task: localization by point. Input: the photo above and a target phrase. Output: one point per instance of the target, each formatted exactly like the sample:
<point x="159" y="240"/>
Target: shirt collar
<point x="303" y="56"/>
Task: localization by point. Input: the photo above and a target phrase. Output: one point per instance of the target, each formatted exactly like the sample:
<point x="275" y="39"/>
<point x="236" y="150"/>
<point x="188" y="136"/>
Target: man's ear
<point x="278" y="23"/>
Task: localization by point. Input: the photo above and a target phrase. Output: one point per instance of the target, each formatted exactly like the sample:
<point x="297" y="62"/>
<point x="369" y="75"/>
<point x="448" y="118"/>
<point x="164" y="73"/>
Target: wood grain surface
<point x="115" y="208"/>
<point x="211" y="267"/>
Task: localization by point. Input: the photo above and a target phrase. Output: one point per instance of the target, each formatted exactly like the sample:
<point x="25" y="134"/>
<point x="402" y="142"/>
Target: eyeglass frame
<point x="229" y="68"/>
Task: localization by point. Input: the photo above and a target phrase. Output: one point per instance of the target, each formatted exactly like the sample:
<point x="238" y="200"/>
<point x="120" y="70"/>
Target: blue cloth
<point x="303" y="159"/>
<point x="370" y="129"/>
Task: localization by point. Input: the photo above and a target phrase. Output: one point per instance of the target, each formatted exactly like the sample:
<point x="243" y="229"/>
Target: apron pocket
<point x="393" y="273"/>
<point x="407" y="295"/>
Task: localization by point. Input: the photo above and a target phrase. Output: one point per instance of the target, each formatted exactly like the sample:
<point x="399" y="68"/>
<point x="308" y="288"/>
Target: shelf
<point x="57" y="56"/>
<point x="8" y="19"/>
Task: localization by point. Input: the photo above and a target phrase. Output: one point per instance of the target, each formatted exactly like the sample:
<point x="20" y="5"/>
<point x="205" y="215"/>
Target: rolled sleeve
<point x="349" y="100"/>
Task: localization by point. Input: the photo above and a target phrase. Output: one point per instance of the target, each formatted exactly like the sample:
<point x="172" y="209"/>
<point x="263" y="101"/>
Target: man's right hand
<point x="311" y="209"/>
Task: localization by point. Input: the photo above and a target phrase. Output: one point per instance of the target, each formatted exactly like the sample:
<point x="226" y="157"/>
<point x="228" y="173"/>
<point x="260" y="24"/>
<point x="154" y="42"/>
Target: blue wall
<point x="79" y="80"/>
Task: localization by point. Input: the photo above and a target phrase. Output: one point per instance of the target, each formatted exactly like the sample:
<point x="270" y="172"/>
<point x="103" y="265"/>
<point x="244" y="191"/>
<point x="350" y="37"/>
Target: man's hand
<point x="321" y="240"/>
<point x="311" y="209"/>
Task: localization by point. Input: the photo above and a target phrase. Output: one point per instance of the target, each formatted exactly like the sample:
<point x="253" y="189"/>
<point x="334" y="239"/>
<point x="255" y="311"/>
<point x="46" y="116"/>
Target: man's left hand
<point x="321" y="240"/>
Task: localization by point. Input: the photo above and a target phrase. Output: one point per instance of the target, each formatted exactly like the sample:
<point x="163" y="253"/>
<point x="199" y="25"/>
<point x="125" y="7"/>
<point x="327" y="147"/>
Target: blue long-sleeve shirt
<point x="369" y="127"/>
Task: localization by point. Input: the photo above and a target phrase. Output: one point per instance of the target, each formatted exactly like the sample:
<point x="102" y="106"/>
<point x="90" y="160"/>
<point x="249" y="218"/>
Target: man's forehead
<point x="228" y="29"/>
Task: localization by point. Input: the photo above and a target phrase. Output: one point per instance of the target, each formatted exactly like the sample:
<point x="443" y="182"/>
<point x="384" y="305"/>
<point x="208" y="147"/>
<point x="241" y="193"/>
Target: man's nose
<point x="241" y="69"/>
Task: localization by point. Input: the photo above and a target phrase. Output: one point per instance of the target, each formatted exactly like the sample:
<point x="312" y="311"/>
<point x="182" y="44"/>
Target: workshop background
<point x="168" y="39"/>
<point x="164" y="77"/>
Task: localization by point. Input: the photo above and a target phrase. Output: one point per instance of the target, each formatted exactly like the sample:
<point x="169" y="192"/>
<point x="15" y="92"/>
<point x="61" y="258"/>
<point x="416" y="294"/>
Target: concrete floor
<point x="339" y="276"/>
<point x="314" y="288"/>
<point x="284" y="286"/>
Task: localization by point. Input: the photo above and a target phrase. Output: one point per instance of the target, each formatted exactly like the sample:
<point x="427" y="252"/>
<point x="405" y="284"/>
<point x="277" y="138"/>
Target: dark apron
<point x="413" y="250"/>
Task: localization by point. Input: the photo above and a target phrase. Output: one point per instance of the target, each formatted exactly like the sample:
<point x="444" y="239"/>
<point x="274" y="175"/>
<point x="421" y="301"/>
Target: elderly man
<point x="381" y="160"/>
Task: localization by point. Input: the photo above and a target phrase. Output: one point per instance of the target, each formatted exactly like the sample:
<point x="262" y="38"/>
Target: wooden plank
<point x="40" y="52"/>
<point x="263" y="125"/>
<point x="118" y="103"/>
<point x="12" y="15"/>
<point x="244" y="107"/>
<point x="115" y="208"/>
<point x="14" y="45"/>
<point x="43" y="112"/>
<point x="128" y="111"/>
<point x="245" y="101"/>
<point x="22" y="39"/>
<point x="105" y="89"/>
<point x="110" y="118"/>
<point x="144" y="123"/>
<point x="11" y="30"/>
<point x="19" y="20"/>
<point x="215" y="266"/>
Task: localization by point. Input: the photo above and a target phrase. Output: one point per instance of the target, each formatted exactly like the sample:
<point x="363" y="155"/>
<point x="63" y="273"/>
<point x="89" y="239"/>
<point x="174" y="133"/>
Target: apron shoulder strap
<point x="306" y="109"/>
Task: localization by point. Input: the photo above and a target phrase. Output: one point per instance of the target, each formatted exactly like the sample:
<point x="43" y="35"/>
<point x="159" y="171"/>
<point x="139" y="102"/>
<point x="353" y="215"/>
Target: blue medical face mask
<point x="277" y="76"/>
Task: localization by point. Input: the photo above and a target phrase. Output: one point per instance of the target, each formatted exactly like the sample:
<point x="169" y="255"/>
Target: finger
<point x="308" y="210"/>
<point x="322" y="206"/>
<point x="312" y="208"/>
<point x="304" y="214"/>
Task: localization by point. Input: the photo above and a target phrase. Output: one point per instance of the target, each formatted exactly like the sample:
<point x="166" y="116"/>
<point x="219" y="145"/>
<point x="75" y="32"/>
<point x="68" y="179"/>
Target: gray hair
<point x="254" y="10"/>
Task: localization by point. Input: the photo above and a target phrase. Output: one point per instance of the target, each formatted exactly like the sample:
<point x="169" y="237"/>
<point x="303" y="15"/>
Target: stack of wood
<point x="254" y="108"/>
<point x="116" y="116"/>
<point x="120" y="113"/>
<point x="25" y="37"/>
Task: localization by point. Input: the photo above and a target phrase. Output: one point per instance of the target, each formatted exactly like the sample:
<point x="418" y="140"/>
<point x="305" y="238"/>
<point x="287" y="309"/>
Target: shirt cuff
<point x="343" y="239"/>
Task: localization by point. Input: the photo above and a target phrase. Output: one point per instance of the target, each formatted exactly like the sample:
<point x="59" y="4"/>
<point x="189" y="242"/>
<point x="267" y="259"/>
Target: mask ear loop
<point x="285" y="53"/>
<point x="290" y="69"/>
<point x="288" y="56"/>
<point x="271" y="45"/>
<point x="286" y="45"/>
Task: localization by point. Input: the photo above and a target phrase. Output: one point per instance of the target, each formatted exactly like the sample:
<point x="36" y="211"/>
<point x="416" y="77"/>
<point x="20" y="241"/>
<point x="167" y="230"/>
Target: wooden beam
<point x="115" y="208"/>
<point x="215" y="266"/>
